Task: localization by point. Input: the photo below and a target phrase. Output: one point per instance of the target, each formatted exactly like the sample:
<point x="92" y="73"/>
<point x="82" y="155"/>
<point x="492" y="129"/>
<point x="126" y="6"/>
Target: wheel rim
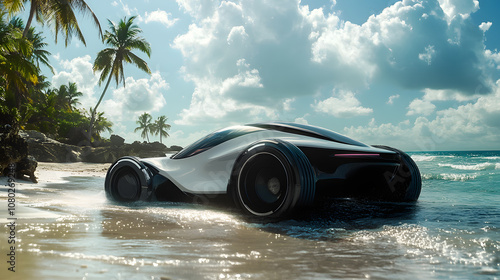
<point x="263" y="184"/>
<point x="127" y="184"/>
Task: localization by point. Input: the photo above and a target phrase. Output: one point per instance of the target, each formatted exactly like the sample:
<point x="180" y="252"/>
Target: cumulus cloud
<point x="421" y="107"/>
<point x="252" y="56"/>
<point x="342" y="105"/>
<point x="199" y="9"/>
<point x="485" y="26"/>
<point x="427" y="56"/>
<point x="142" y="95"/>
<point x="161" y="17"/>
<point x="476" y="122"/>
<point x="462" y="8"/>
<point x="392" y="98"/>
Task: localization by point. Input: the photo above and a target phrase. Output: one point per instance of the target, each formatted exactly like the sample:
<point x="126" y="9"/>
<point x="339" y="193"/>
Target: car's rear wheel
<point x="406" y="183"/>
<point x="271" y="179"/>
<point x="126" y="180"/>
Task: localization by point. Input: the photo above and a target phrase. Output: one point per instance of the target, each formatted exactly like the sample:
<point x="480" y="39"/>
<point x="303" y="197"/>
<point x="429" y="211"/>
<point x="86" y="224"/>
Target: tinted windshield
<point x="311" y="131"/>
<point x="214" y="139"/>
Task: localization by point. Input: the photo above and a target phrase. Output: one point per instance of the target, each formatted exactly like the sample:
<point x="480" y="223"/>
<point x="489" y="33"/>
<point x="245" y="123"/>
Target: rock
<point x="54" y="152"/>
<point x="27" y="166"/>
<point x="116" y="140"/>
<point x="78" y="136"/>
<point x="13" y="147"/>
<point x="33" y="135"/>
<point x="174" y="148"/>
<point x="156" y="146"/>
<point x="45" y="149"/>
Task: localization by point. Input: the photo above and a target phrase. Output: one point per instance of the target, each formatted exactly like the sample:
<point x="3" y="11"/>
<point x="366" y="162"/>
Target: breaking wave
<point x="450" y="177"/>
<point x="479" y="166"/>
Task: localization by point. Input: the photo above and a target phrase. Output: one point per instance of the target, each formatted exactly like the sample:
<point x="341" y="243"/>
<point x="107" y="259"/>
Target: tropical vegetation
<point x="25" y="92"/>
<point x="146" y="126"/>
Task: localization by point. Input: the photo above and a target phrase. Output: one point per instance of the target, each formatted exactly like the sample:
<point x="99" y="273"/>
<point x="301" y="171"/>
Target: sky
<point x="416" y="75"/>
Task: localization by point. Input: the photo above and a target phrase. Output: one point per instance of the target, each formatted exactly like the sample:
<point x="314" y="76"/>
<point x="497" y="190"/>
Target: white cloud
<point x="161" y="17"/>
<point x="475" y="124"/>
<point x="198" y="9"/>
<point x="427" y="56"/>
<point x="420" y="107"/>
<point x="128" y="11"/>
<point x="485" y="26"/>
<point x="142" y="95"/>
<point x="392" y="98"/>
<point x="445" y="94"/>
<point x="493" y="57"/>
<point x="302" y="120"/>
<point x="345" y="105"/>
<point x="463" y="8"/>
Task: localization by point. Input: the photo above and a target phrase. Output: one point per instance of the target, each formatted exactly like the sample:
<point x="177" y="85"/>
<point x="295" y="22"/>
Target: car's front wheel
<point x="271" y="178"/>
<point x="127" y="179"/>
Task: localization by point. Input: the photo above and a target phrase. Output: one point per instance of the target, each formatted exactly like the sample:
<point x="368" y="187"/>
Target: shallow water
<point x="67" y="229"/>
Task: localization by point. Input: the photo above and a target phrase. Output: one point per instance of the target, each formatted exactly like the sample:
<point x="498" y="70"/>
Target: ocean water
<point x="67" y="229"/>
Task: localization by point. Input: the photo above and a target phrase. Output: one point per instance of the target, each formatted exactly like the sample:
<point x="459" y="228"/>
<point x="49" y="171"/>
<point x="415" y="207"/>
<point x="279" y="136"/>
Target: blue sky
<point x="417" y="75"/>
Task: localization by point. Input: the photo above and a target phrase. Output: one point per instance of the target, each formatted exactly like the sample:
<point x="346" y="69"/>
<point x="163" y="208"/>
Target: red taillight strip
<point x="356" y="155"/>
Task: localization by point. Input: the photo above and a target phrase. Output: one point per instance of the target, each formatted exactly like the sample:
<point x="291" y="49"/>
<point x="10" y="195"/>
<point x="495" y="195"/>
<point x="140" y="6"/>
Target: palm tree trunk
<point x="92" y="119"/>
<point x="30" y="19"/>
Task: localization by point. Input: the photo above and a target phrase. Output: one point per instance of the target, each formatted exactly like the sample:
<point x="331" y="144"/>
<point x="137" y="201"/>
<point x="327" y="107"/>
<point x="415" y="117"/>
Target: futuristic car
<point x="269" y="170"/>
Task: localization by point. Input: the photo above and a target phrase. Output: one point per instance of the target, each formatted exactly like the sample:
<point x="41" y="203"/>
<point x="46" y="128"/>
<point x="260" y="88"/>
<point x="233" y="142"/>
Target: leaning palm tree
<point x="145" y="125"/>
<point x="122" y="38"/>
<point x="58" y="13"/>
<point x="161" y="127"/>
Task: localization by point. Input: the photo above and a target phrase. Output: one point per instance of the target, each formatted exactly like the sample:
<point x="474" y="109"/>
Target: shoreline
<point x="73" y="167"/>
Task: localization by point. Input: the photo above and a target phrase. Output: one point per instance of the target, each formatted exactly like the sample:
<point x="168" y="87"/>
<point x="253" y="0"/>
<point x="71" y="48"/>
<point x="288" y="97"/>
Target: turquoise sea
<point x="459" y="212"/>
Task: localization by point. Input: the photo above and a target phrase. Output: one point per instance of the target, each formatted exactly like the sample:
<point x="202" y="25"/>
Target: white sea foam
<point x="423" y="158"/>
<point x="450" y="177"/>
<point x="426" y="157"/>
<point x="479" y="166"/>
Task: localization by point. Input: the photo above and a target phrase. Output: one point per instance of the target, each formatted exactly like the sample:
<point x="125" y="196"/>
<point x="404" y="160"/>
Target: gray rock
<point x="116" y="140"/>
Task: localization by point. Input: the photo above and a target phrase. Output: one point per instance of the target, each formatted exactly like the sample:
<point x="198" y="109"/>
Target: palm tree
<point x="101" y="124"/>
<point x="17" y="71"/>
<point x="145" y="125"/>
<point x="59" y="13"/>
<point x="39" y="54"/>
<point x="161" y="127"/>
<point x="122" y="39"/>
<point x="68" y="95"/>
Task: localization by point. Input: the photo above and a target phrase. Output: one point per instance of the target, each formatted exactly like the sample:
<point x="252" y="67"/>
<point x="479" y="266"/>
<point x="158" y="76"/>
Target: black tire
<point x="405" y="185"/>
<point x="271" y="178"/>
<point x="127" y="180"/>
